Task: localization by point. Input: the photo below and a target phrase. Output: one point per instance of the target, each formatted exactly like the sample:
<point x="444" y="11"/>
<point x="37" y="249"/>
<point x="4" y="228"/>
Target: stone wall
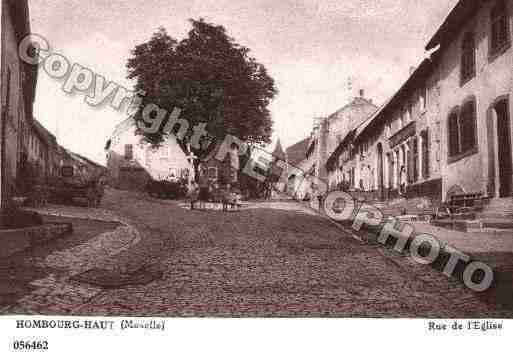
<point x="17" y="240"/>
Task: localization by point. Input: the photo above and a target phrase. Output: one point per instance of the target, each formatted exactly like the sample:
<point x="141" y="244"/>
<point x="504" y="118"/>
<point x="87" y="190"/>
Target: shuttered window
<point x="468" y="58"/>
<point x="500" y="29"/>
<point x="415" y="159"/>
<point x="462" y="130"/>
<point x="467" y="127"/>
<point x="454" y="135"/>
<point x="425" y="153"/>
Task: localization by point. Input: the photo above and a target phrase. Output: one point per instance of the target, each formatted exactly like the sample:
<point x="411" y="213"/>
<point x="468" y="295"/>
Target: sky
<point x="320" y="53"/>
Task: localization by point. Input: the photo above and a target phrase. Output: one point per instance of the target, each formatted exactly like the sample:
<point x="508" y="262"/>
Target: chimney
<point x="412" y="70"/>
<point x="362" y="93"/>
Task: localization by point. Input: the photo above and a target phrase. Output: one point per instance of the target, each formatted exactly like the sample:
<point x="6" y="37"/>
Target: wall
<point x="377" y="133"/>
<point x="336" y="127"/>
<point x="12" y="126"/>
<point x="147" y="163"/>
<point x="493" y="79"/>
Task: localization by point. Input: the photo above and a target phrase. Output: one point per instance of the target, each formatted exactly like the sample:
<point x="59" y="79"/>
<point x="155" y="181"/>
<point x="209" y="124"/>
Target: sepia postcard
<point x="235" y="173"/>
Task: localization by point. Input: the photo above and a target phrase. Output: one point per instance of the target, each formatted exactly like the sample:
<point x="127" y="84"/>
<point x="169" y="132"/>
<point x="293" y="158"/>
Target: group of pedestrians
<point x="210" y="191"/>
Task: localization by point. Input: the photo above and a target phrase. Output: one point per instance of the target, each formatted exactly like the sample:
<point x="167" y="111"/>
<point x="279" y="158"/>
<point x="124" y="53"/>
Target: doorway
<point x="504" y="149"/>
<point x="381" y="176"/>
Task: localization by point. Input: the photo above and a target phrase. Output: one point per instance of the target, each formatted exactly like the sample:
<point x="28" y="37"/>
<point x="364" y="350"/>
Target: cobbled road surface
<point x="271" y="260"/>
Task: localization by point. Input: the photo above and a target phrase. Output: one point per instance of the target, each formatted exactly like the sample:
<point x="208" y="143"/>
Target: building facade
<point x="131" y="162"/>
<point x="41" y="148"/>
<point x="447" y="130"/>
<point x="18" y="81"/>
<point x="475" y="82"/>
<point x="328" y="134"/>
<point x="300" y="165"/>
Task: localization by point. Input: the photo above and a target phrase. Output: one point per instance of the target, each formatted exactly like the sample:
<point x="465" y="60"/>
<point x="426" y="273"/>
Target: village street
<point x="257" y="262"/>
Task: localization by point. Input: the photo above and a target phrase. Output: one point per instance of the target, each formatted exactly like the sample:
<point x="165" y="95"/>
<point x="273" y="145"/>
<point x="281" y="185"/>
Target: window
<point x="129" y="152"/>
<point x="468" y="58"/>
<point x="415" y="159"/>
<point x="398" y="168"/>
<point x="423" y="98"/>
<point x="425" y="153"/>
<point x="500" y="30"/>
<point x="454" y="134"/>
<point x="462" y="130"/>
<point x="467" y="127"/>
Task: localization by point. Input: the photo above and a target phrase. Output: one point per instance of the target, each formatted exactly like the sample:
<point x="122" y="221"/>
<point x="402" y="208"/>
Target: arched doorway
<point x="500" y="150"/>
<point x="380" y="173"/>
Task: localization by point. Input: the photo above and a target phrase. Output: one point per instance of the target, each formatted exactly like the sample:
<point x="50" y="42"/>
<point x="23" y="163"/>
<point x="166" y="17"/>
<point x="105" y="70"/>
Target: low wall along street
<point x="17" y="240"/>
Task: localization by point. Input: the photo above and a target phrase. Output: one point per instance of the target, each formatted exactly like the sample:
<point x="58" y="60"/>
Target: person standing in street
<point x="203" y="189"/>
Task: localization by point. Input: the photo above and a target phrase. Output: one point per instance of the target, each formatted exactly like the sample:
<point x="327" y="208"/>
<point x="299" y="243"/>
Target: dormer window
<point x="468" y="58"/>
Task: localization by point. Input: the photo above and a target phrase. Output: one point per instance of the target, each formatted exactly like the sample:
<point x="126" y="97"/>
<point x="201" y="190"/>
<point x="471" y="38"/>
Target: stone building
<point x="131" y="162"/>
<point x="397" y="150"/>
<point x="329" y="132"/>
<point x="41" y="148"/>
<point x="447" y="130"/>
<point x="300" y="164"/>
<point x="18" y="82"/>
<point x="475" y="84"/>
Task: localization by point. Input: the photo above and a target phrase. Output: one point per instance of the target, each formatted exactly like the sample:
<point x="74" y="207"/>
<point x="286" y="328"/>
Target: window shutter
<point x="467" y="130"/>
<point x="410" y="160"/>
<point x="415" y="166"/>
<point x="425" y="153"/>
<point x="454" y="143"/>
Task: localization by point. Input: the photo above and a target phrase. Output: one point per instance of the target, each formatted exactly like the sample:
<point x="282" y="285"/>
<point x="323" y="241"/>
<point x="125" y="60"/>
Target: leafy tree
<point x="210" y="77"/>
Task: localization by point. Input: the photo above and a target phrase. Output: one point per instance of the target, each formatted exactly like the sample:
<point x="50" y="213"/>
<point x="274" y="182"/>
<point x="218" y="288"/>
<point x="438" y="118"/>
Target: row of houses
<point x="446" y="131"/>
<point x="28" y="152"/>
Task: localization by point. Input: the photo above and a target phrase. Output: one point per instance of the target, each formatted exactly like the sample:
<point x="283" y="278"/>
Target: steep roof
<point x="412" y="83"/>
<point x="278" y="152"/>
<point x="463" y="11"/>
<point x="357" y="110"/>
<point x="43" y="133"/>
<point x="297" y="152"/>
<point x="87" y="160"/>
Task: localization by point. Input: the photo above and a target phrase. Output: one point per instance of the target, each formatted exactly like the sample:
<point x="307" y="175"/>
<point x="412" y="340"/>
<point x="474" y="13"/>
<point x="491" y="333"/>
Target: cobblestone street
<point x="269" y="259"/>
<point x="268" y="262"/>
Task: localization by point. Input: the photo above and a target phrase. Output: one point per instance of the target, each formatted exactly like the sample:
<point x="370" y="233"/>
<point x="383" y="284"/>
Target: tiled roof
<point x="463" y="10"/>
<point x="278" y="152"/>
<point x="297" y="152"/>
